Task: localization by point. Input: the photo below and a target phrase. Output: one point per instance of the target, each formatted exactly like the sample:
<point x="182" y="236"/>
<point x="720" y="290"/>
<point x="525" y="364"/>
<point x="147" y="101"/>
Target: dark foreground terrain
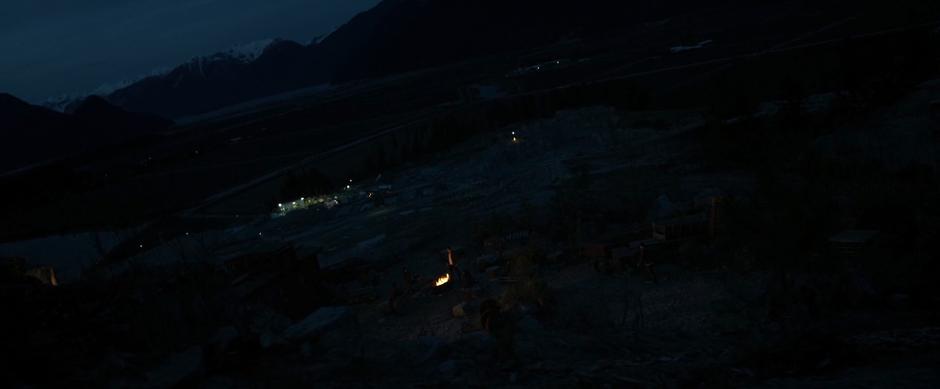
<point x="761" y="211"/>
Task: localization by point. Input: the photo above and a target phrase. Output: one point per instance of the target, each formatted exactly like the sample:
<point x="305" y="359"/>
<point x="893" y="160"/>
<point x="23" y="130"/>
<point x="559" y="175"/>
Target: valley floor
<point x="519" y="208"/>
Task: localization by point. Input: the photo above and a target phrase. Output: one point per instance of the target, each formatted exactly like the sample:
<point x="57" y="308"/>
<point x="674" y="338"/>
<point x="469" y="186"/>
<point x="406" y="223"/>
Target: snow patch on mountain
<point x="250" y="51"/>
<point x="316" y="40"/>
<point x="108" y="88"/>
<point x="243" y="53"/>
<point x="59" y="103"/>
<point x="62" y="102"/>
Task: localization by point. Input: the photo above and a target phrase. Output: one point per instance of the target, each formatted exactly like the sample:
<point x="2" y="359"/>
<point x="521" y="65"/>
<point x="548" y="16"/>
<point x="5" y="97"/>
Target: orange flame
<point x="442" y="280"/>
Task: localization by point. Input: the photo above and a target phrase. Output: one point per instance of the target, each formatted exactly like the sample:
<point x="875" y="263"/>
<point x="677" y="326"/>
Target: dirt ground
<point x="543" y="190"/>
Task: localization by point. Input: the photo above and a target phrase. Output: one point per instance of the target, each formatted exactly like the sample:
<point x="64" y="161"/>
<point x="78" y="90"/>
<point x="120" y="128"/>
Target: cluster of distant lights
<point x="293" y="205"/>
<point x="281" y="207"/>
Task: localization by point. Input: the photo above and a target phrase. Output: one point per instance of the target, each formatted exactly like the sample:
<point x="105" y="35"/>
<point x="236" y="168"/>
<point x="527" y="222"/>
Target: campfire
<point x="442" y="280"/>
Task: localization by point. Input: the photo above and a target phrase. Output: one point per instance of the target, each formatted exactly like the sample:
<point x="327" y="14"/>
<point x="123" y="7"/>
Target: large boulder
<point x="663" y="208"/>
<point x="320" y="322"/>
<point x="229" y="350"/>
<point x="270" y="327"/>
<point x="177" y="369"/>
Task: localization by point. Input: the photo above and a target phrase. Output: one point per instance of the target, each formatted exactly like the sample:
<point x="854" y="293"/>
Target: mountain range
<point x="395" y="36"/>
<point x="33" y="134"/>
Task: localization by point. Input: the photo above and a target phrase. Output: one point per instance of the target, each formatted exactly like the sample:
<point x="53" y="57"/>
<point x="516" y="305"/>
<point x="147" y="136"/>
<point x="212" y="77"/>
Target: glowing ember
<point x="442" y="280"/>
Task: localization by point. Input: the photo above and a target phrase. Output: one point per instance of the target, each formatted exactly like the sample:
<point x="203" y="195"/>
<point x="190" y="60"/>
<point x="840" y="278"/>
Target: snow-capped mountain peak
<point x="244" y="53"/>
<point x="59" y="103"/>
<point x="250" y="51"/>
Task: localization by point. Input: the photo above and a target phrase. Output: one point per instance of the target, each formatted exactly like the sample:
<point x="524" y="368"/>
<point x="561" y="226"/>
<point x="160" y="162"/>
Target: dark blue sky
<point x="54" y="47"/>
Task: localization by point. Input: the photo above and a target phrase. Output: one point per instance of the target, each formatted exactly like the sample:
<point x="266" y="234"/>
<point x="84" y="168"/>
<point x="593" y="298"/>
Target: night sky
<point x="53" y="47"/>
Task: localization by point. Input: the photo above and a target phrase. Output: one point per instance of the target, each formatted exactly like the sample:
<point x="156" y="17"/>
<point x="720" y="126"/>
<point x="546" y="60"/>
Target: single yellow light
<point x="442" y="280"/>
